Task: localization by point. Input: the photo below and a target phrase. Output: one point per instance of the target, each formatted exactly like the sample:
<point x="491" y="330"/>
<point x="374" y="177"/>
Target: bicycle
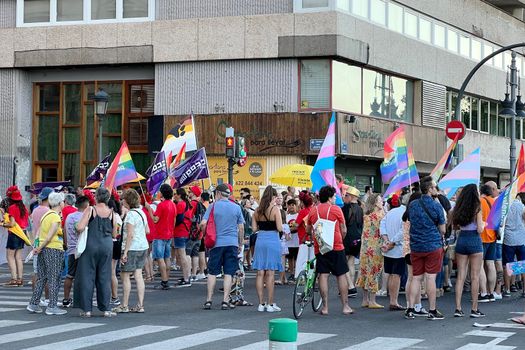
<point x="307" y="287"/>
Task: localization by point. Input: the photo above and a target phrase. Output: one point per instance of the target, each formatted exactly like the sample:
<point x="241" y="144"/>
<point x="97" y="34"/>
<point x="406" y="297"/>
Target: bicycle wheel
<point x="300" y="298"/>
<point x="317" y="301"/>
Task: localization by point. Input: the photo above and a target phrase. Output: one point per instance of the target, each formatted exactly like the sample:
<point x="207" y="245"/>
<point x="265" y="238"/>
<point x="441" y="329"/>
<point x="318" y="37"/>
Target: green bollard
<point x="282" y="333"/>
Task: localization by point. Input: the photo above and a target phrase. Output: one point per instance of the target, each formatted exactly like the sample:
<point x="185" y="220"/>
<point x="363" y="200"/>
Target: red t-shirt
<point x="166" y="212"/>
<point x="151" y="225"/>
<point x="22" y="221"/>
<point x="301" y="222"/>
<point x="183" y="230"/>
<point x="336" y="214"/>
<point x="69" y="209"/>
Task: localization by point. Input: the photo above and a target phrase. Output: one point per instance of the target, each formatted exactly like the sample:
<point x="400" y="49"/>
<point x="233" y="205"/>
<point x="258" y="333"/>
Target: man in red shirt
<point x="334" y="261"/>
<point x="164" y="219"/>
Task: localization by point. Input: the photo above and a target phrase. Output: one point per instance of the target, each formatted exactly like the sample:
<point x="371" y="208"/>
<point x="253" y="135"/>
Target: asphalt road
<point x="174" y="319"/>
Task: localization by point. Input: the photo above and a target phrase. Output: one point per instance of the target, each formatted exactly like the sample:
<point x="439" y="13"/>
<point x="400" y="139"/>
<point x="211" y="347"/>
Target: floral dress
<point x="370" y="257"/>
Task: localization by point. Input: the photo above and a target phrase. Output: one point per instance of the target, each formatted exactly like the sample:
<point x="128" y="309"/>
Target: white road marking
<point x="14" y="303"/>
<point x="8" y="309"/>
<point x="45" y="331"/>
<point x="101" y="338"/>
<point x="500" y="325"/>
<point x="194" y="339"/>
<point x="385" y="343"/>
<point x="302" y="338"/>
<point x="491" y="334"/>
<point x="9" y="323"/>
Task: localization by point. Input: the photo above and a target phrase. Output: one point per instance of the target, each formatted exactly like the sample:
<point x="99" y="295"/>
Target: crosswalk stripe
<point x="385" y="343"/>
<point x="15" y="297"/>
<point x="491" y="334"/>
<point x="500" y="325"/>
<point x="7" y="309"/>
<point x="9" y="323"/>
<point x="45" y="331"/>
<point x="14" y="303"/>
<point x="195" y="339"/>
<point x="101" y="338"/>
<point x="302" y="338"/>
<point x="475" y="346"/>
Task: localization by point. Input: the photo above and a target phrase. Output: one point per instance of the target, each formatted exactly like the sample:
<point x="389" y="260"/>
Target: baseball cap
<point x="223" y="188"/>
<point x="46" y="191"/>
<point x="196" y="190"/>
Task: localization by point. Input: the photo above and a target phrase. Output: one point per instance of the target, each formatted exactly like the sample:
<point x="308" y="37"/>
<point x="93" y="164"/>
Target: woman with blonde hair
<point x="267" y="222"/>
<point x="370" y="257"/>
<point x="134" y="250"/>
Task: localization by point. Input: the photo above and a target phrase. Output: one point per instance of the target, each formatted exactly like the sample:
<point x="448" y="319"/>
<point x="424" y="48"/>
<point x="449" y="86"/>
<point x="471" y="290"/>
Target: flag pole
<point x="142" y="190"/>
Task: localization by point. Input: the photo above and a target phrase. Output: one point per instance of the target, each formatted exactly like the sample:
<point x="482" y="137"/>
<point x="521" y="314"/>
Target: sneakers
<point x="484" y="299"/>
<point x="352" y="293"/>
<point x="382" y="293"/>
<point x="201" y="276"/>
<point x="115" y="301"/>
<point x="410" y="314"/>
<point x="44" y="303"/>
<point x="55" y="311"/>
<point x="184" y="284"/>
<point x="34" y="309"/>
<point x="506" y="294"/>
<point x="497" y="296"/>
<point x="273" y="308"/>
<point x="110" y="314"/>
<point x="421" y="313"/>
<point x="193" y="278"/>
<point x="261" y="308"/>
<point x="67" y="302"/>
<point x="492" y="297"/>
<point x="513" y="289"/>
<point x="459" y="313"/>
<point x="121" y="309"/>
<point x="434" y="315"/>
<point x="476" y="314"/>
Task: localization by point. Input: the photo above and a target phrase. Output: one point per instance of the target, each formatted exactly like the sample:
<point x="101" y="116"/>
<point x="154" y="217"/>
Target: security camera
<point x="16" y="160"/>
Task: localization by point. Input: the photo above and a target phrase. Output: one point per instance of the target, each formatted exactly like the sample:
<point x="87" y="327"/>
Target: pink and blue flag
<point x="501" y="205"/>
<point x="323" y="172"/>
<point x="395" y="155"/>
<point x="465" y="173"/>
<point x="404" y="177"/>
<point x="445" y="161"/>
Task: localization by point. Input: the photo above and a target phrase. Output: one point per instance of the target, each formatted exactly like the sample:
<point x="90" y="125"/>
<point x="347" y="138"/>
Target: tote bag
<point x="81" y="243"/>
<point x="210" y="237"/>
<point x="324" y="231"/>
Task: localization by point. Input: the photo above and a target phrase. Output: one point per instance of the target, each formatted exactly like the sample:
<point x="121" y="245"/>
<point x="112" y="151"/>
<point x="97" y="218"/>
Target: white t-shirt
<point x="294" y="242"/>
<point x="137" y="219"/>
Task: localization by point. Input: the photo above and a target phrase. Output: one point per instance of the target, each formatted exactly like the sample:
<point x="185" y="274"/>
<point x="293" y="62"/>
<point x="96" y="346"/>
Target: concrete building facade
<point x="378" y="63"/>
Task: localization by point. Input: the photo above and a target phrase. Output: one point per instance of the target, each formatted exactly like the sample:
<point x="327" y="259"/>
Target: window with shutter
<point x="315" y="84"/>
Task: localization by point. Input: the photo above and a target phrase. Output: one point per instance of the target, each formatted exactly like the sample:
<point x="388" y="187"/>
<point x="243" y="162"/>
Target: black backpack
<point x="195" y="230"/>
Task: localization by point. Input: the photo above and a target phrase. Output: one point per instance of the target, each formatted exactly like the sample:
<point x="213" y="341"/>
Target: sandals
<point x="137" y="309"/>
<point x="227" y="306"/>
<point x="207" y="305"/>
<point x="19" y="283"/>
<point x="121" y="309"/>
<point x="148" y="279"/>
<point x="85" y="314"/>
<point x="11" y="283"/>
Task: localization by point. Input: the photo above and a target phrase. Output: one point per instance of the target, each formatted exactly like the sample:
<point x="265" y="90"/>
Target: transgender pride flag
<point x="323" y="172"/>
<point x="465" y="173"/>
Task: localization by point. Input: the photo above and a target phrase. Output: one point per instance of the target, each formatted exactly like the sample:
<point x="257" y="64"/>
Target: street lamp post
<point x="100" y="99"/>
<point x="509" y="112"/>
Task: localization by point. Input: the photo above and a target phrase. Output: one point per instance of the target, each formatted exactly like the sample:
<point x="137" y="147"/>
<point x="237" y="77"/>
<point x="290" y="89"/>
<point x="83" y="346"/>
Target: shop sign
<point x="316" y="144"/>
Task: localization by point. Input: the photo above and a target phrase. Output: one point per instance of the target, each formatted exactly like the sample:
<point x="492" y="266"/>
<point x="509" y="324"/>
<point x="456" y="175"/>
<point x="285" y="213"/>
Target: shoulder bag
<point x="324" y="231"/>
<point x="210" y="234"/>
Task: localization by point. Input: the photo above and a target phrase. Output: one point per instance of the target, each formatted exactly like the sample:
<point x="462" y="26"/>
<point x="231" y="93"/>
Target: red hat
<point x="15" y="194"/>
<point x="90" y="196"/>
<point x="196" y="190"/>
<point x="11" y="189"/>
<point x="395" y="200"/>
<point x="230" y="187"/>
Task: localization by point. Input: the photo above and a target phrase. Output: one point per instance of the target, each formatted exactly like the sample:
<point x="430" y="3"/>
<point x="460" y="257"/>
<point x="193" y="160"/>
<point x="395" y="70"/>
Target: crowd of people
<point x="411" y="242"/>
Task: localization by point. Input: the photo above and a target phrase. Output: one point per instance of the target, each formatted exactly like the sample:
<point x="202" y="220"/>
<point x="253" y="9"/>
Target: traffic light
<point x="241" y="151"/>
<point x="230" y="147"/>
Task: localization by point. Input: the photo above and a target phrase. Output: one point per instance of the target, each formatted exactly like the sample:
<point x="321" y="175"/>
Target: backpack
<point x="195" y="231"/>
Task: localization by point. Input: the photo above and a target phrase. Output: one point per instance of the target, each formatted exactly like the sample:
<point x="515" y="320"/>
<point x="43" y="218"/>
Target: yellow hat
<point x="353" y="191"/>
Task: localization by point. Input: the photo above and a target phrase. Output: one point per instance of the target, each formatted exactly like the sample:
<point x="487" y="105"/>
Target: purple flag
<point x="157" y="173"/>
<point x="100" y="170"/>
<point x="194" y="168"/>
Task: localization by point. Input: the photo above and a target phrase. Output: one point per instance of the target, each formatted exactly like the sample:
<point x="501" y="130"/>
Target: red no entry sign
<point x="455" y="128"/>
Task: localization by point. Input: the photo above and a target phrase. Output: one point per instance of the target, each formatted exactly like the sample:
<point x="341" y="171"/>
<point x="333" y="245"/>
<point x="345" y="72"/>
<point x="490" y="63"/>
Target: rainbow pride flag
<point x="445" y="161"/>
<point x="520" y="164"/>
<point x="323" y="172"/>
<point x="395" y="155"/>
<point x="404" y="177"/>
<point x="465" y="173"/>
<point x="501" y="205"/>
<point x="122" y="170"/>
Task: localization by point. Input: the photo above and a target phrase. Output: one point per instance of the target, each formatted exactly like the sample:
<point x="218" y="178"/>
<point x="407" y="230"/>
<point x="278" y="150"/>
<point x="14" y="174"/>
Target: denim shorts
<point x="489" y="251"/>
<point x="225" y="259"/>
<point x="161" y="249"/>
<point x="14" y="242"/>
<point x="499" y="254"/>
<point x="468" y="243"/>
<point x="179" y="243"/>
